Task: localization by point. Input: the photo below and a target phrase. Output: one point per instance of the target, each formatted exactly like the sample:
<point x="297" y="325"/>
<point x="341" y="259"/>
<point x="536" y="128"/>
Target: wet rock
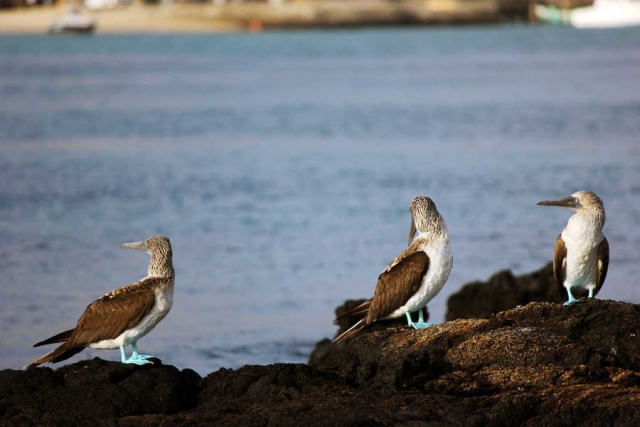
<point x="479" y="300"/>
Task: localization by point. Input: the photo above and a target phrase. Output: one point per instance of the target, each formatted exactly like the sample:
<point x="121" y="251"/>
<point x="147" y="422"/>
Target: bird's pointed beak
<point x="565" y="202"/>
<point x="412" y="231"/>
<point x="137" y="245"/>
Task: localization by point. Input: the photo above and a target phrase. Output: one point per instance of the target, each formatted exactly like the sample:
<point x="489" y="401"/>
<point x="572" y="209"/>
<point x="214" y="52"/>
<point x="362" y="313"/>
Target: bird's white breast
<point x="581" y="238"/>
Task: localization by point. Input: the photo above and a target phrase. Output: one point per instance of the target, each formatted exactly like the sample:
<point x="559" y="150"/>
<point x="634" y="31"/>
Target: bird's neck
<point x="433" y="230"/>
<point x="586" y="220"/>
<point x="584" y="226"/>
<point x="160" y="266"/>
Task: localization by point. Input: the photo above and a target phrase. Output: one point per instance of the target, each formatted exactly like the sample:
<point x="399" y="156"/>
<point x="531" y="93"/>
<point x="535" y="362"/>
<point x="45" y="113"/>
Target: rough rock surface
<point x="344" y="322"/>
<point x="475" y="300"/>
<point x="479" y="300"/>
<point x="536" y="365"/>
<point x="93" y="392"/>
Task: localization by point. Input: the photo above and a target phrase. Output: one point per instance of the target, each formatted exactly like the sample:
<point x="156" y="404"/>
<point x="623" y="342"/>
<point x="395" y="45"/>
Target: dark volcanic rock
<point x="541" y="364"/>
<point x="475" y="300"/>
<point x="344" y="322"/>
<point x="538" y="344"/>
<point x="93" y="392"/>
<point x="536" y="365"/>
<point x="479" y="300"/>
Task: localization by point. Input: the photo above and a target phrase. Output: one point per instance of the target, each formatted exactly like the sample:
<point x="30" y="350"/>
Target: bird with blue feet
<point x="414" y="277"/>
<point x="123" y="316"/>
<point x="581" y="252"/>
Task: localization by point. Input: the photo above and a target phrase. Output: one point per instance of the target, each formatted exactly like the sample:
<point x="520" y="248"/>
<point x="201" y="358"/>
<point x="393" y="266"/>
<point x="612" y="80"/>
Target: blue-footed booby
<point x="415" y="276"/>
<point x="581" y="253"/>
<point x="123" y="316"/>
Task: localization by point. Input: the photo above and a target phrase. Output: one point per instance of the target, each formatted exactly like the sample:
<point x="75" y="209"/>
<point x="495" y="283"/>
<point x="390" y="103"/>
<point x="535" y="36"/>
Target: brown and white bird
<point x="416" y="275"/>
<point x="123" y="316"/>
<point x="581" y="253"/>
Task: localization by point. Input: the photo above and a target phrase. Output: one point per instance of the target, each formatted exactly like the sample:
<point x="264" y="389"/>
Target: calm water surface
<point x="282" y="165"/>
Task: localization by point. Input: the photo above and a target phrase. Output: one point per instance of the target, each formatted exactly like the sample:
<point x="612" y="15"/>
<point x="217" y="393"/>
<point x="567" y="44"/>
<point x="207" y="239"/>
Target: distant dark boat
<point x="73" y="22"/>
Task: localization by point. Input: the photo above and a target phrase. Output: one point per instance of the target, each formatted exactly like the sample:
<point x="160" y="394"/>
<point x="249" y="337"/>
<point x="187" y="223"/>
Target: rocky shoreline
<point x="540" y="364"/>
<point x="207" y="17"/>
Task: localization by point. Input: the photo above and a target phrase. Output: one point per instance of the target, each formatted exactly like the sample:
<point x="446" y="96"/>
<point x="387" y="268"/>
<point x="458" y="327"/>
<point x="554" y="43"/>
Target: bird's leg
<point x="409" y="321"/>
<point x="571" y="297"/>
<point x="420" y="324"/>
<point x="136" y="355"/>
<point x="591" y="292"/>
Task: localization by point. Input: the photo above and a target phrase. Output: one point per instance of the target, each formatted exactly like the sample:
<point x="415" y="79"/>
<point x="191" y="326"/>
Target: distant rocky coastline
<point x="208" y="16"/>
<point x="539" y="364"/>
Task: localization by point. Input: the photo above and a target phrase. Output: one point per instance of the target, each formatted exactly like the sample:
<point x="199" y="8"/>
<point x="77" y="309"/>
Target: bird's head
<point x="577" y="201"/>
<point x="153" y="245"/>
<point x="424" y="216"/>
<point x="586" y="202"/>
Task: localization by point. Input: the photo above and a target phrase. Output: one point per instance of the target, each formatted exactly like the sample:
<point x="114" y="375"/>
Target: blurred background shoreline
<point x="125" y="16"/>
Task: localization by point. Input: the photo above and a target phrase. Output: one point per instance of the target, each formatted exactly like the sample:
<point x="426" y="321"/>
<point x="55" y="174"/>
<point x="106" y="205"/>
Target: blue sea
<point x="281" y="165"/>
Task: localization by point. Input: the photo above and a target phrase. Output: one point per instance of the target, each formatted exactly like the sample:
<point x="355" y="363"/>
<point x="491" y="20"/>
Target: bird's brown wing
<point x="397" y="284"/>
<point x="115" y="312"/>
<point x="560" y="266"/>
<point x="603" y="263"/>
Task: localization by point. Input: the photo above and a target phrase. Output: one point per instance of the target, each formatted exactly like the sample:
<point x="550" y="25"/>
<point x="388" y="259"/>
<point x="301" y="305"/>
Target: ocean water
<point x="281" y="166"/>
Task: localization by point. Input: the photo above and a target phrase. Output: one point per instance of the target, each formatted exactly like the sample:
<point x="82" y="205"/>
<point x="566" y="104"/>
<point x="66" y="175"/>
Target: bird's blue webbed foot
<point x="142" y="356"/>
<point x="420" y="324"/>
<point x="134" y="359"/>
<point x="137" y="356"/>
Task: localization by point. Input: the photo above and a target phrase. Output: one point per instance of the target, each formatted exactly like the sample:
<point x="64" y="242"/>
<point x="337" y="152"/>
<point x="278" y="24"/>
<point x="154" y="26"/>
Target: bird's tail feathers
<point x="360" y="310"/>
<point x="351" y="331"/>
<point x="61" y="337"/>
<point x="57" y="355"/>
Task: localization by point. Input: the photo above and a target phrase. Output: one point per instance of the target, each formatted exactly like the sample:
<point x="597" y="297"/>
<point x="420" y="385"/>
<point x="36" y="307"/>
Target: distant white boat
<point x="73" y="22"/>
<point x="607" y="14"/>
<point x="602" y="14"/>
